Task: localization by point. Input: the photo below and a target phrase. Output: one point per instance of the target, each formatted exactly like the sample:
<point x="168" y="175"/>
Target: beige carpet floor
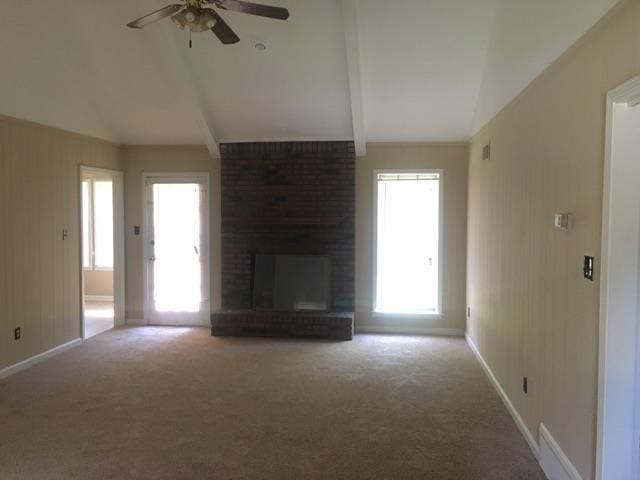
<point x="175" y="403"/>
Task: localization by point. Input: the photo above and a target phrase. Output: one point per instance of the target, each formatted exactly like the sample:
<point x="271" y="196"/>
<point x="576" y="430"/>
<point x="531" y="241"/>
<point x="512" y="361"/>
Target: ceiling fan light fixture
<point x="195" y="19"/>
<point x="198" y="16"/>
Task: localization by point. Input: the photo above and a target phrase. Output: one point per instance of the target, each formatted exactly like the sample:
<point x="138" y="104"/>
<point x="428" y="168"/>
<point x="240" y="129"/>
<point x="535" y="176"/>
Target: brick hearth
<point x="333" y="326"/>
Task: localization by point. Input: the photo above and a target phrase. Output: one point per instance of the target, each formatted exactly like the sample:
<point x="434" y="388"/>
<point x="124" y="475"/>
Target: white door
<point x="177" y="256"/>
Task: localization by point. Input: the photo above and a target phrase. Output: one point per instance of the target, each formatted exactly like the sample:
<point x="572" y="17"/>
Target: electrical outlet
<point x="469" y="312"/>
<point x="525" y="384"/>
<point x="16" y="333"/>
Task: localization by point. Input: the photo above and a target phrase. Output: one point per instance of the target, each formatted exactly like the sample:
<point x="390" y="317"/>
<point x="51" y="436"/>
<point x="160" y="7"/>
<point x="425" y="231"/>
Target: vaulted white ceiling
<point x="369" y="70"/>
<point x="527" y="36"/>
<point x="422" y="64"/>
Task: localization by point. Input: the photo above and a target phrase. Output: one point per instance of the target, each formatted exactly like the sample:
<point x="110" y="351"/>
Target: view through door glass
<point x="176" y="261"/>
<point x="408" y="243"/>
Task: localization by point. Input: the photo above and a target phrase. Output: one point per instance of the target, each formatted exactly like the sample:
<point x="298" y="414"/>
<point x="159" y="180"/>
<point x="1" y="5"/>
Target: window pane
<point x="177" y="271"/>
<point x="408" y="244"/>
<point x="103" y="223"/>
<point x="86" y="225"/>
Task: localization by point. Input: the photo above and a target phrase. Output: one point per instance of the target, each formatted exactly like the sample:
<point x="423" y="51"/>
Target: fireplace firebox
<point x="291" y="283"/>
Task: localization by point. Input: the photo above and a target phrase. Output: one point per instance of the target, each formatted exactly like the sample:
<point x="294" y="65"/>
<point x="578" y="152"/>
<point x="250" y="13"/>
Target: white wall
<point x="98" y="283"/>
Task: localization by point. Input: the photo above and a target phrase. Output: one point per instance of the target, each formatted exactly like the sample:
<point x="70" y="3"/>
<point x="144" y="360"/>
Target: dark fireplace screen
<point x="291" y="282"/>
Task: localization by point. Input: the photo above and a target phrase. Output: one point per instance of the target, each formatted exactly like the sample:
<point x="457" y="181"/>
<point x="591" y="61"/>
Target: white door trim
<point x="118" y="241"/>
<point x="176" y="177"/>
<point x="614" y="344"/>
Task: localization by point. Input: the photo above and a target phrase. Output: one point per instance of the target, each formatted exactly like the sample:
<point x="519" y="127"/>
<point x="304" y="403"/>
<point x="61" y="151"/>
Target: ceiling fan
<point x="195" y="16"/>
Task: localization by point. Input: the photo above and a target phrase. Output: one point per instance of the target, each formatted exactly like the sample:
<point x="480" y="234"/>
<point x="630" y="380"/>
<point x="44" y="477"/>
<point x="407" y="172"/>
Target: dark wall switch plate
<point x="136" y="230"/>
<point x="525" y="384"/>
<point x="16" y="333"/>
<point x="589" y="263"/>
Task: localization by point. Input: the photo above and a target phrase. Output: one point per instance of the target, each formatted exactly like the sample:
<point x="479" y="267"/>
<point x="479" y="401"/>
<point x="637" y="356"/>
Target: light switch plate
<point x="563" y="221"/>
<point x="589" y="267"/>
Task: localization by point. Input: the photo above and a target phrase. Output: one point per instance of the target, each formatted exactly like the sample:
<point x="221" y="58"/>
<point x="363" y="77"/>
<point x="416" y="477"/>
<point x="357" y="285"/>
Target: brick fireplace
<point x="286" y="198"/>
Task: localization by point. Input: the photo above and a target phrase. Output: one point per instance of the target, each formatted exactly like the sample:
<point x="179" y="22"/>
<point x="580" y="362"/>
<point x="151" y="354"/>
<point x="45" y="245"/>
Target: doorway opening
<point x="101" y="250"/>
<point x="177" y="249"/>
<point x="618" y="445"/>
<point x="408" y="243"/>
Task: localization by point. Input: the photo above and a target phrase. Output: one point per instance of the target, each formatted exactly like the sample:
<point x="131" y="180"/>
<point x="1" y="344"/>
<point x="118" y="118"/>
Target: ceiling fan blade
<point x="223" y="31"/>
<point x="155" y="16"/>
<point x="253" y="9"/>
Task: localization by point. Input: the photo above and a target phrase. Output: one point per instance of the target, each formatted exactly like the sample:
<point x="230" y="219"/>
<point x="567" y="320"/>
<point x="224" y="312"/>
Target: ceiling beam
<point x="186" y="82"/>
<point x="350" y="21"/>
<point x="189" y="87"/>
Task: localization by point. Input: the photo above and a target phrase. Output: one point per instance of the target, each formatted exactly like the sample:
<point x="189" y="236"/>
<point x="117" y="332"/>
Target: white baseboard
<point x="505" y="399"/>
<point x="98" y="298"/>
<point x="446" y="332"/>
<point x="29" y="362"/>
<point x="554" y="462"/>
<point x="136" y="322"/>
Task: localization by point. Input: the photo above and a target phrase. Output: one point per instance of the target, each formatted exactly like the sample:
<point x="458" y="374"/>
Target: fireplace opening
<point x="291" y="283"/>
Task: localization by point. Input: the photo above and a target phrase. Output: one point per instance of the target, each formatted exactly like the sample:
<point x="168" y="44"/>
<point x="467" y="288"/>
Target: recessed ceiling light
<point x="261" y="47"/>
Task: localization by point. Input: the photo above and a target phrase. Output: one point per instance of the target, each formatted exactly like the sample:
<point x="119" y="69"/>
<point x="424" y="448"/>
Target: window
<point x="407" y="256"/>
<point x="97" y="224"/>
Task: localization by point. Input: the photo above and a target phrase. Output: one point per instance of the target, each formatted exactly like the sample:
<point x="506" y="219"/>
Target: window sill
<point x="408" y="315"/>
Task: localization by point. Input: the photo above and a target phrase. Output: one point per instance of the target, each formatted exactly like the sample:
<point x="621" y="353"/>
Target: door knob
<point x="152" y="258"/>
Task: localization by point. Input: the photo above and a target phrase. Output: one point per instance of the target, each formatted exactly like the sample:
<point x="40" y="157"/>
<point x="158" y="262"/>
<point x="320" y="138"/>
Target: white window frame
<point x="437" y="315"/>
<point x="92" y="178"/>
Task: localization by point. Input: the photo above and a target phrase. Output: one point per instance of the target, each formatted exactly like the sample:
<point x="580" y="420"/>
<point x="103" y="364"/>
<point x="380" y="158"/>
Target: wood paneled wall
<point x="39" y="197"/>
<point x="532" y="312"/>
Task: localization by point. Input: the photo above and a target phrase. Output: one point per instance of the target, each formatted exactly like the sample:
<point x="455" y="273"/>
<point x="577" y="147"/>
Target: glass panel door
<point x="177" y="254"/>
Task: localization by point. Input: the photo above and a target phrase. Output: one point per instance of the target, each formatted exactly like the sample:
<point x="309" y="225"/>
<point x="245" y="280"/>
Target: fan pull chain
<point x="190" y="43"/>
